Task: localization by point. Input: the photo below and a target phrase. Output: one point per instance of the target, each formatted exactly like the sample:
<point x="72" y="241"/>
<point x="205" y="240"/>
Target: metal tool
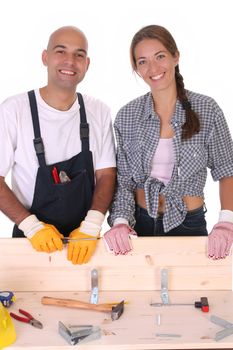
<point x="94" y="287"/>
<point x="158" y="320"/>
<point x="27" y="319"/>
<point x="223" y="323"/>
<point x="203" y="303"/>
<point x="79" y="333"/>
<point x="168" y="335"/>
<point x="115" y="309"/>
<point x="164" y="286"/>
<point x="7" y="298"/>
<point x="63" y="177"/>
<point x="66" y="240"/>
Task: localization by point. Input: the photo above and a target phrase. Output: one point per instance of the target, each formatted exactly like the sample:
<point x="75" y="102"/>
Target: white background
<point x="203" y="31"/>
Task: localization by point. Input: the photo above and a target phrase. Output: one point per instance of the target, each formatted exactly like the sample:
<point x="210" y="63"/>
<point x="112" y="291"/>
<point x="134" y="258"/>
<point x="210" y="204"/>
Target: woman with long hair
<point x="166" y="140"/>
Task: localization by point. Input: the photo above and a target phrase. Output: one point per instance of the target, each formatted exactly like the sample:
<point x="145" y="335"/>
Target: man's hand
<point x="80" y="252"/>
<point x="48" y="239"/>
<point x="220" y="240"/>
<point x="118" y="238"/>
<point x="43" y="237"/>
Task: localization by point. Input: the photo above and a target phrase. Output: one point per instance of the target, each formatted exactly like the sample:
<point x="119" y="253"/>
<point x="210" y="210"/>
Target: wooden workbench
<point x="135" y="278"/>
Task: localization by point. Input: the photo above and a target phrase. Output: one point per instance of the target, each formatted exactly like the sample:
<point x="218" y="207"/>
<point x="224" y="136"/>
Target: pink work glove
<point x="220" y="240"/>
<point x="118" y="239"/>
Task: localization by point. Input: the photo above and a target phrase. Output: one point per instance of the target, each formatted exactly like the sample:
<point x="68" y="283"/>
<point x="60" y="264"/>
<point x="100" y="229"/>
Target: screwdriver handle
<point x="203" y="304"/>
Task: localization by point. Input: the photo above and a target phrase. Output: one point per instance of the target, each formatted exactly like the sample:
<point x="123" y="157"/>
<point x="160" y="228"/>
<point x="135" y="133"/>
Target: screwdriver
<point x="66" y="240"/>
<point x="202" y="304"/>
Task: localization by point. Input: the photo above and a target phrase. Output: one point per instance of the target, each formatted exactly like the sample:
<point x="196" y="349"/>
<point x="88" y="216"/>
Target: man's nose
<point x="70" y="58"/>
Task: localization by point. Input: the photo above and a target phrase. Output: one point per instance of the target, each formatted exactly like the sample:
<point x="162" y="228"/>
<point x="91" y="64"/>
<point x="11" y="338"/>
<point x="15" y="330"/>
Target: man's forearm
<point x="104" y="189"/>
<point x="226" y="193"/>
<point x="10" y="205"/>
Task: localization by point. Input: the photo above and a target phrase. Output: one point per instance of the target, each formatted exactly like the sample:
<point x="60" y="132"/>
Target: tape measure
<point x="7" y="298"/>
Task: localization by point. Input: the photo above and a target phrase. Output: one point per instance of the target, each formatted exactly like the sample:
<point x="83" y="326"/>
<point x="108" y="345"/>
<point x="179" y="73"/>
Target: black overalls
<point x="63" y="205"/>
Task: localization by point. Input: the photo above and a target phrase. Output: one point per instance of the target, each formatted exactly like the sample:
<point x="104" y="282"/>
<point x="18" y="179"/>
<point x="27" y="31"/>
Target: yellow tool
<point x="7" y="329"/>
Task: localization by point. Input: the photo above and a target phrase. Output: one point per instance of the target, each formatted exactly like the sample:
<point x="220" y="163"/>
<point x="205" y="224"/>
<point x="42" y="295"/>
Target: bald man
<point x="59" y="147"/>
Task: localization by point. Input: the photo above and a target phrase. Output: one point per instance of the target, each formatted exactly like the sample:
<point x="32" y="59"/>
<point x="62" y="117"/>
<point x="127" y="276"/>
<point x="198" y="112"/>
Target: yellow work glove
<point x="80" y="252"/>
<point x="43" y="237"/>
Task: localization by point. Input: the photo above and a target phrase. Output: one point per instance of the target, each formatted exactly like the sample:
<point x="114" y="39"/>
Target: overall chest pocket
<point x="192" y="160"/>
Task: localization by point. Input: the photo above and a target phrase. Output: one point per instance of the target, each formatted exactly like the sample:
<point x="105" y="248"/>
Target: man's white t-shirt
<point x="61" y="137"/>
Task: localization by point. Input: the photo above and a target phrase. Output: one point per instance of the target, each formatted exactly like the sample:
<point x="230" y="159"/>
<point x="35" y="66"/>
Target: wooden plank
<point x="24" y="269"/>
<point x="181" y="278"/>
<point x="161" y="251"/>
<point x="137" y="327"/>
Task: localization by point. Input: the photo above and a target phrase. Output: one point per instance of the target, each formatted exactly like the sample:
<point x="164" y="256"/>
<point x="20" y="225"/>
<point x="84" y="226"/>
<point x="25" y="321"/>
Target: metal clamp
<point x="94" y="287"/>
<point x="223" y="323"/>
<point x="164" y="286"/>
<point x="76" y="334"/>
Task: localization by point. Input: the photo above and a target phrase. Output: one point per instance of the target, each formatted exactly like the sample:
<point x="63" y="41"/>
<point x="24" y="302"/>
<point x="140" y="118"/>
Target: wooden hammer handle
<point x="75" y="304"/>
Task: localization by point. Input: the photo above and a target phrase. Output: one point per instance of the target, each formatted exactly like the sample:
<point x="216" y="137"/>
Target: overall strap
<point x="38" y="142"/>
<point x="84" y="126"/>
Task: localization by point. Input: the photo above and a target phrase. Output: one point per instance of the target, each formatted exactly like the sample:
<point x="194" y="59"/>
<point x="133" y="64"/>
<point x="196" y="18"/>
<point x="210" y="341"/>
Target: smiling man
<point x="60" y="148"/>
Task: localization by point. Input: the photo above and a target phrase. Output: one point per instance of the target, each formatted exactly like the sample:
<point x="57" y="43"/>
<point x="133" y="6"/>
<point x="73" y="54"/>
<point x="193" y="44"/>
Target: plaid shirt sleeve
<point x="123" y="205"/>
<point x="220" y="147"/>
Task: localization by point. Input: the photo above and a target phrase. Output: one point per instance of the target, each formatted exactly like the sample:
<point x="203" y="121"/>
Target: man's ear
<point x="88" y="63"/>
<point x="44" y="58"/>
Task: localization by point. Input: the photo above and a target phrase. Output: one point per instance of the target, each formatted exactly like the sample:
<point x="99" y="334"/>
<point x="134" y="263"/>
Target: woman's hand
<point x="220" y="240"/>
<point x="118" y="239"/>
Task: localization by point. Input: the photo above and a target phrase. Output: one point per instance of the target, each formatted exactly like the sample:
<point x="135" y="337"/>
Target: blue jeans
<point x="194" y="224"/>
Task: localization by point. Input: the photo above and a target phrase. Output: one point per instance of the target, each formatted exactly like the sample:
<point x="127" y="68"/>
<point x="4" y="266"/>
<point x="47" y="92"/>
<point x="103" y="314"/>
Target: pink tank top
<point x="163" y="161"/>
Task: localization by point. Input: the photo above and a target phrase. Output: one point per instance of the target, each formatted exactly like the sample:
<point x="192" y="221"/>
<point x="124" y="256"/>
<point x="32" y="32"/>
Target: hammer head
<point x="117" y="311"/>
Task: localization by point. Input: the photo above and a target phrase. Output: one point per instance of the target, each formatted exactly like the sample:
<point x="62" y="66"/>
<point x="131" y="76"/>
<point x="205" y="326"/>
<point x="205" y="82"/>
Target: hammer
<point x="115" y="309"/>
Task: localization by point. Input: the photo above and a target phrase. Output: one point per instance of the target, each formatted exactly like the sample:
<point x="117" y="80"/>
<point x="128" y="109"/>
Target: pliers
<point x="28" y="319"/>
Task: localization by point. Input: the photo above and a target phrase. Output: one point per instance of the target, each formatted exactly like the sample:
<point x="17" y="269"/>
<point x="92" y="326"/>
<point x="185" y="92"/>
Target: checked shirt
<point x="137" y="129"/>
